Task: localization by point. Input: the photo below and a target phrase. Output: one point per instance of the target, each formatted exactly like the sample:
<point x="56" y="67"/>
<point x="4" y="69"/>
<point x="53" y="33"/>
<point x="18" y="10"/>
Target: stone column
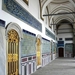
<point x="74" y="43"/>
<point x="74" y="40"/>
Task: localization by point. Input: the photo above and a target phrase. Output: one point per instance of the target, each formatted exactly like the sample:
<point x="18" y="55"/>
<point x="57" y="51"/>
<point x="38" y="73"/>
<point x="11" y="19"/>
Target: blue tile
<point x="16" y="10"/>
<point x="25" y="31"/>
<point x="45" y="39"/>
<point x="50" y="34"/>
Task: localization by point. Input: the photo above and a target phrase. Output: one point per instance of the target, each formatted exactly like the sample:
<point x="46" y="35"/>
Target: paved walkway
<point x="60" y="66"/>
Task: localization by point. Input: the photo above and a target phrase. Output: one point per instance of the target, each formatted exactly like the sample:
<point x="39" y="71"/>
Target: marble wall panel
<point x="2" y="51"/>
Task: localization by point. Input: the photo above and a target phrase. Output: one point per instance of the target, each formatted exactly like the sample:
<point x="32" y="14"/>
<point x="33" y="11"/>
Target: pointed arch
<point x="14" y="26"/>
<point x="44" y="6"/>
<point x="13" y="37"/>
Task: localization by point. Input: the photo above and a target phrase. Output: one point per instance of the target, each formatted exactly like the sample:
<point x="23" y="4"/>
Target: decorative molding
<point x="41" y="10"/>
<point x="13" y="8"/>
<point x="2" y="23"/>
<point x="25" y="31"/>
<point x="14" y="26"/>
<point x="48" y="16"/>
<point x="50" y="34"/>
<point x="45" y="39"/>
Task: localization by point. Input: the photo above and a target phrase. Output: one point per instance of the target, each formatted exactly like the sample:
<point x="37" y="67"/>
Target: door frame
<point x="63" y="51"/>
<point x="17" y="28"/>
<point x="14" y="52"/>
<point x="39" y="37"/>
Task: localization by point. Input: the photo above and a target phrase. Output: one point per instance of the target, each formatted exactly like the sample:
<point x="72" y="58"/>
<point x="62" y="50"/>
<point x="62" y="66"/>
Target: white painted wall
<point x="65" y="35"/>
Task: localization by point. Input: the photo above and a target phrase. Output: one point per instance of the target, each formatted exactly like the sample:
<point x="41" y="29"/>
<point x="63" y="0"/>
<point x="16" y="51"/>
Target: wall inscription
<point x="15" y="9"/>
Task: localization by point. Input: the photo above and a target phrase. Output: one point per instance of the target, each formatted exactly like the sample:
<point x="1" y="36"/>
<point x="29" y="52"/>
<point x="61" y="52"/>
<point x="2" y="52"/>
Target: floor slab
<point x="60" y="66"/>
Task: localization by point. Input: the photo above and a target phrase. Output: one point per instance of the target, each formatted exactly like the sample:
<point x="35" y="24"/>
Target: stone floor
<point x="60" y="66"/>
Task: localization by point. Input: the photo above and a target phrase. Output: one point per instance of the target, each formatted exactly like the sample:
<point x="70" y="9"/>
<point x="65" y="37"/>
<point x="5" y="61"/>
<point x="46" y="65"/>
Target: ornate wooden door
<point x="13" y="53"/>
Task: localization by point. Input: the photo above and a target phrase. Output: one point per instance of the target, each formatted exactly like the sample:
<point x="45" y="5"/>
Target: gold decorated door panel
<point x="13" y="53"/>
<point x="38" y="53"/>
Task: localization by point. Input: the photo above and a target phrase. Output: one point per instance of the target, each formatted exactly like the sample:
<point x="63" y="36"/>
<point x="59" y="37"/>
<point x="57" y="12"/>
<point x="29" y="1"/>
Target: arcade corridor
<point x="36" y="33"/>
<point x="60" y="66"/>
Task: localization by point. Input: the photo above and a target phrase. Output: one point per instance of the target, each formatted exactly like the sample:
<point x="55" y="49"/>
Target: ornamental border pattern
<point x="45" y="39"/>
<point x="16" y="10"/>
<point x="25" y="31"/>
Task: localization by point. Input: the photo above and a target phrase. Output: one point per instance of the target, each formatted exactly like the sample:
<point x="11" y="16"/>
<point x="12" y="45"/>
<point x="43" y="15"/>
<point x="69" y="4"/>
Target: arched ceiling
<point x="63" y="22"/>
<point x="60" y="1"/>
<point x="58" y="6"/>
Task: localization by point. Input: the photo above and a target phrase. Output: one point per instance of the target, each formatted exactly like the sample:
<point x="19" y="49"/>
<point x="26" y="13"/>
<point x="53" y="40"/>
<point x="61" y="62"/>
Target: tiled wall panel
<point x="16" y="10"/>
<point x="69" y="50"/>
<point x="45" y="46"/>
<point x="28" y="44"/>
<point x="50" y="34"/>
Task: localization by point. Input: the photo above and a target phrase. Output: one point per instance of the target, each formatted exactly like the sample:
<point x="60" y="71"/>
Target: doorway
<point x="38" y="52"/>
<point x="61" y="52"/>
<point x="13" y="52"/>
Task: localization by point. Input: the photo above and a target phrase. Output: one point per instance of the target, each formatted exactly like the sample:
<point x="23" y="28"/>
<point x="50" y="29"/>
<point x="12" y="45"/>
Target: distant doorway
<point x="61" y="52"/>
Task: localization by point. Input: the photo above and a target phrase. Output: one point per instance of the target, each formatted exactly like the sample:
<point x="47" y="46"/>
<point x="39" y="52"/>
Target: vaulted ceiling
<point x="56" y="7"/>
